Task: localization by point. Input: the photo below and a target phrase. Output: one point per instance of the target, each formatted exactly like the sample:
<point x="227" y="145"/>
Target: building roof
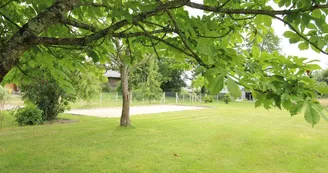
<point x="112" y="74"/>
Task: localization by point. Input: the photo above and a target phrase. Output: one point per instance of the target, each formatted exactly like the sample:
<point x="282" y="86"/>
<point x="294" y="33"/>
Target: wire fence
<point x="112" y="99"/>
<point x="160" y="98"/>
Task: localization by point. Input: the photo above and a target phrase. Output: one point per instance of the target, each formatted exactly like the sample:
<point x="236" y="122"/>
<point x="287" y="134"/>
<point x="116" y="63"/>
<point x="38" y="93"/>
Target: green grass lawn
<point x="228" y="138"/>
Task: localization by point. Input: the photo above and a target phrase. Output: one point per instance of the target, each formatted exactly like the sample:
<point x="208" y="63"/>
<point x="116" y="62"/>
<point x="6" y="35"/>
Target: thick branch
<point x="83" y="41"/>
<point x="251" y="11"/>
<point x="21" y="40"/>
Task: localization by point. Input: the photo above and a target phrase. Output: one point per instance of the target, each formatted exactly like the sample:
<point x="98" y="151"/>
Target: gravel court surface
<point x="134" y="110"/>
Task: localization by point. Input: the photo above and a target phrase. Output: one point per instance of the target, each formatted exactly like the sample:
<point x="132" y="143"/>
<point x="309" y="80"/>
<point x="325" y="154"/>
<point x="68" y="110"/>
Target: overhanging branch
<point x="299" y="34"/>
<point x="184" y="41"/>
<point x="253" y="11"/>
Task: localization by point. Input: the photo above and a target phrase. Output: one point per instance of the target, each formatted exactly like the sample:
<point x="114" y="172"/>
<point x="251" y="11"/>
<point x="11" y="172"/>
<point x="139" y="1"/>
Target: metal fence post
<point x="176" y="98"/>
<point x="116" y="97"/>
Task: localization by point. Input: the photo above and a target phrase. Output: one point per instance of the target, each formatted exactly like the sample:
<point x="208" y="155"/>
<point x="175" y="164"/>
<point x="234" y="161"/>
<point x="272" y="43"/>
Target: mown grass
<point x="228" y="138"/>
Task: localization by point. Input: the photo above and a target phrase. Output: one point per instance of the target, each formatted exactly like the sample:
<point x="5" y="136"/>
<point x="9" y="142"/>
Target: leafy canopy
<point x="68" y="29"/>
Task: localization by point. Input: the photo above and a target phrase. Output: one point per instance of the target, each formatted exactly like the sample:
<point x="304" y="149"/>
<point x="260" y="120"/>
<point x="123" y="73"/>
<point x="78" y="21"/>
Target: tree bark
<point x="125" y="116"/>
<point x="25" y="37"/>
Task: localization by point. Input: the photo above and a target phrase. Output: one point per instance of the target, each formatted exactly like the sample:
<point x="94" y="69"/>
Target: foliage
<point x="105" y="87"/>
<point x="47" y="96"/>
<point x="171" y="75"/>
<point x="64" y="33"/>
<point x="118" y="87"/>
<point x="321" y="76"/>
<point x="29" y="115"/>
<point x="226" y="98"/>
<point x="4" y="96"/>
<point x="87" y="85"/>
<point x="150" y="81"/>
<point x="269" y="42"/>
<point x="208" y="99"/>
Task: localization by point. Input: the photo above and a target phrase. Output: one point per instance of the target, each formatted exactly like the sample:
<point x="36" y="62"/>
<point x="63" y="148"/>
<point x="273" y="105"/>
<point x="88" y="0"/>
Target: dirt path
<point x="134" y="110"/>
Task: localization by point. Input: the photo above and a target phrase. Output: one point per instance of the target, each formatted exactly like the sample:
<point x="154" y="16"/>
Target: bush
<point x="4" y="95"/>
<point x="208" y="99"/>
<point x="227" y="98"/>
<point x="119" y="87"/>
<point x="30" y="115"/>
<point x="105" y="87"/>
<point x="48" y="96"/>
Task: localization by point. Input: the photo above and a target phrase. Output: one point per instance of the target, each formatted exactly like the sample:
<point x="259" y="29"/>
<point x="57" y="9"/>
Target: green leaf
<point x="129" y="18"/>
<point x="233" y="88"/>
<point x="306" y="79"/>
<point x="296" y="108"/>
<point x="255" y="51"/>
<point x="303" y="46"/>
<point x="93" y="55"/>
<point x="267" y="21"/>
<point x="285" y="96"/>
<point x="313" y="67"/>
<point x="216" y="84"/>
<point x="287" y="104"/>
<point x="322" y="90"/>
<point x="259" y="39"/>
<point x="267" y="103"/>
<point x="260" y="100"/>
<point x="289" y="34"/>
<point x="311" y="115"/>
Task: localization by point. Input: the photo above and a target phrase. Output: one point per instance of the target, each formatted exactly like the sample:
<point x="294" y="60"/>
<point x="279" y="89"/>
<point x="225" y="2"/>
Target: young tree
<point x="29" y="27"/>
<point x="150" y="86"/>
<point x="87" y="85"/>
<point x="122" y="59"/>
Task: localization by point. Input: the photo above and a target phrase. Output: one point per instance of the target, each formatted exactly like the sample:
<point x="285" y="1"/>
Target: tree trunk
<point x="26" y="36"/>
<point x="125" y="116"/>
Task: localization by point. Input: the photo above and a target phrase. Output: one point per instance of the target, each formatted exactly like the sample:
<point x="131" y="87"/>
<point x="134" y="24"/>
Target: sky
<point x="287" y="48"/>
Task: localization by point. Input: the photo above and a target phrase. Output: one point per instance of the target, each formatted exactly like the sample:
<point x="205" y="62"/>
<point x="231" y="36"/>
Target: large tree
<point x="31" y="26"/>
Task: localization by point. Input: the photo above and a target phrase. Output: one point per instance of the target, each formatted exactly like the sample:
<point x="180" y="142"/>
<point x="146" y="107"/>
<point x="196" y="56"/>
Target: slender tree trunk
<point x="125" y="116"/>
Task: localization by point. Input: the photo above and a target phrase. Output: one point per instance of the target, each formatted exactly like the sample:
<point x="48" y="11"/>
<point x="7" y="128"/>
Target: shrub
<point x="105" y="87"/>
<point x="48" y="96"/>
<point x="227" y="98"/>
<point x="30" y="115"/>
<point x="208" y="99"/>
<point x="118" y="87"/>
<point x="4" y="95"/>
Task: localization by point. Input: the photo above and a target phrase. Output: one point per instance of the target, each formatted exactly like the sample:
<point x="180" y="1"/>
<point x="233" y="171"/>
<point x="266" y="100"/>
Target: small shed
<point x="113" y="78"/>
